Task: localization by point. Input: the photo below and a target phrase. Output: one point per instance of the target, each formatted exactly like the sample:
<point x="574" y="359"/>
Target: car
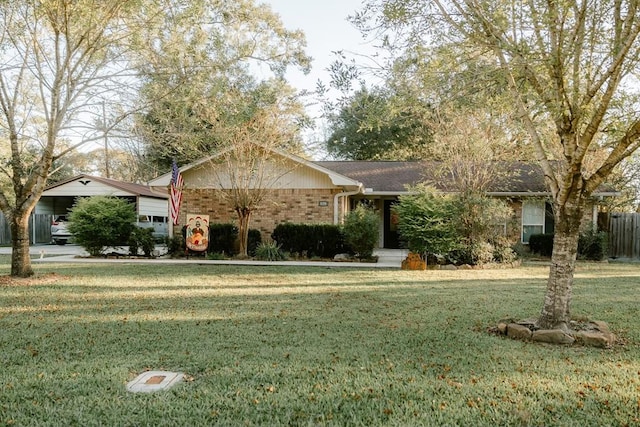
<point x="59" y="233"/>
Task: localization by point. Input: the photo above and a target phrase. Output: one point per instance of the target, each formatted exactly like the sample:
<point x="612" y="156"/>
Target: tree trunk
<point x="20" y="258"/>
<point x="556" y="311"/>
<point x="244" y="216"/>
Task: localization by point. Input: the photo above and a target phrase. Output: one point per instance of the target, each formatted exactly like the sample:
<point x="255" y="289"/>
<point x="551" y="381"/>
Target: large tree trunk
<point x="20" y="258"/>
<point x="244" y="216"/>
<point x="556" y="312"/>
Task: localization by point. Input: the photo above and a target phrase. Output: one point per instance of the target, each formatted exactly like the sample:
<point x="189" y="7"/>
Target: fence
<point x="624" y="235"/>
<point x="39" y="229"/>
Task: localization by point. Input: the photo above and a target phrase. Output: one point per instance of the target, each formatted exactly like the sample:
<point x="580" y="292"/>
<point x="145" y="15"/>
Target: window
<point x="533" y="214"/>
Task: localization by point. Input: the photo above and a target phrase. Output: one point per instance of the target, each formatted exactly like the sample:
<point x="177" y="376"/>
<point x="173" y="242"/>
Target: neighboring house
<point x="151" y="205"/>
<point x="324" y="191"/>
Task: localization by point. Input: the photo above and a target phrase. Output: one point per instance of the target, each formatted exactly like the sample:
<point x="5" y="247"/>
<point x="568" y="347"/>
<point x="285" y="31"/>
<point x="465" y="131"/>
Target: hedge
<point x="309" y="240"/>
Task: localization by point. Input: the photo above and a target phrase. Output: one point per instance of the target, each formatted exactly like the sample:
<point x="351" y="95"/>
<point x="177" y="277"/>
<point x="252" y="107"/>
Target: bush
<point x="222" y="238"/>
<point x="255" y="238"/>
<point x="175" y="245"/>
<point x="309" y="240"/>
<point x="361" y="231"/>
<point x="592" y="245"/>
<point x="99" y="222"/>
<point x="541" y="244"/>
<point x="269" y="251"/>
<point x="427" y="221"/>
<point x="141" y="238"/>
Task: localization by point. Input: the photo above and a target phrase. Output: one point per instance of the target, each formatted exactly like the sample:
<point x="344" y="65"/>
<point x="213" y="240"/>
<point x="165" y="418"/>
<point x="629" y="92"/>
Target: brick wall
<point x="291" y="205"/>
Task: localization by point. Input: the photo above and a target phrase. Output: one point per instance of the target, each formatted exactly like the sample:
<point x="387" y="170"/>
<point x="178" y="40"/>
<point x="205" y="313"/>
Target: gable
<point x="284" y="171"/>
<point x="85" y="187"/>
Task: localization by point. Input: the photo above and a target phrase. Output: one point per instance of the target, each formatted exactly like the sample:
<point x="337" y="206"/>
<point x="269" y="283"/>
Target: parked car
<point x="59" y="233"/>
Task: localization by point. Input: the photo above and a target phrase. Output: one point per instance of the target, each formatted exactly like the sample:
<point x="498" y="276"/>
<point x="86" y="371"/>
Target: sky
<point x="325" y="25"/>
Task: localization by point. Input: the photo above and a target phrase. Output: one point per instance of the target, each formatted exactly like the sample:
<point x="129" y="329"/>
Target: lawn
<point x="309" y="346"/>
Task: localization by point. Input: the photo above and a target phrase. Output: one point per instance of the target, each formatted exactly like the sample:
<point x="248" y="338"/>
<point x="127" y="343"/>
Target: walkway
<point x="387" y="258"/>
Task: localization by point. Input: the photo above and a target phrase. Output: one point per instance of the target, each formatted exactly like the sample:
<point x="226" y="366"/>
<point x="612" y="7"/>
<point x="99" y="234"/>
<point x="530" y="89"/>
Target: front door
<point x="391" y="236"/>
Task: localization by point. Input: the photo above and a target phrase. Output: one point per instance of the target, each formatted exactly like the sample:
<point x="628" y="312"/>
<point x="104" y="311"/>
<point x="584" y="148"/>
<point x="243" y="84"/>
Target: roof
<point x="129" y="187"/>
<point x="335" y="176"/>
<point x="395" y="177"/>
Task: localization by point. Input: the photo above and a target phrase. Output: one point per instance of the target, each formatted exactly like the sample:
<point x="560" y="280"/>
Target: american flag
<point x="176" y="192"/>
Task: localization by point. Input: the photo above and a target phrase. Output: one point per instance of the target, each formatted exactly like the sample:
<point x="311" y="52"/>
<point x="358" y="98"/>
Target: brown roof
<point x="129" y="187"/>
<point x="388" y="176"/>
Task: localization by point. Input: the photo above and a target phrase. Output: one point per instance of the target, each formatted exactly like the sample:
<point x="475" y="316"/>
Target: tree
<point x="57" y="57"/>
<point x="199" y="75"/>
<point x="570" y="68"/>
<point x="368" y="128"/>
<point x="249" y="166"/>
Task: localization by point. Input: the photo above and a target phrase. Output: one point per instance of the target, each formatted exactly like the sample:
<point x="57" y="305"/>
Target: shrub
<point x="541" y="244"/>
<point x="269" y="251"/>
<point x="426" y="221"/>
<point x="255" y="238"/>
<point x="175" y="245"/>
<point x="592" y="245"/>
<point x="141" y="238"/>
<point x="308" y="240"/>
<point x="360" y="230"/>
<point x="222" y="238"/>
<point x="99" y="222"/>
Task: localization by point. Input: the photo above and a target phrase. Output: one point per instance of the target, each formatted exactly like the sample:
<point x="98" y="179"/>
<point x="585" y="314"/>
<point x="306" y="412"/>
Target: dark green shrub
<point x="329" y="240"/>
<point x="592" y="245"/>
<point x="175" y="245"/>
<point x="541" y="244"/>
<point x="141" y="238"/>
<point x="360" y="230"/>
<point x="222" y="238"/>
<point x="427" y="222"/>
<point x="309" y="240"/>
<point x="99" y="222"/>
<point x="269" y="251"/>
<point x="255" y="238"/>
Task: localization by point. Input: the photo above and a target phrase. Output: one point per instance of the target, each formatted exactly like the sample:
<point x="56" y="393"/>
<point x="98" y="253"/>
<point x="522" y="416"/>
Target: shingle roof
<point x="129" y="187"/>
<point x="389" y="176"/>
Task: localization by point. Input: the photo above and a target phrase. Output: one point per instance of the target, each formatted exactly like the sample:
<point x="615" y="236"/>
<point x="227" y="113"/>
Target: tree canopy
<point x="200" y="66"/>
<point x="368" y="127"/>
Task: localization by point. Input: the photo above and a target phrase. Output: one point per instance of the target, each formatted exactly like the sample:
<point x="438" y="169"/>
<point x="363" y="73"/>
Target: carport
<point x="152" y="205"/>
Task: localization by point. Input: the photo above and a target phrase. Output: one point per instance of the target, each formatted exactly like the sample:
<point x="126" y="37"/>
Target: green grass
<point x="309" y="346"/>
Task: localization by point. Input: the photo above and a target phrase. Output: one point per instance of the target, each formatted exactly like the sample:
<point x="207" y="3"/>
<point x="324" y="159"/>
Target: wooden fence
<point x="624" y="235"/>
<point x="39" y="229"/>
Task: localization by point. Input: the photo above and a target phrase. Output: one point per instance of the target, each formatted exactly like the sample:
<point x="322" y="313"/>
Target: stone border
<point x="591" y="334"/>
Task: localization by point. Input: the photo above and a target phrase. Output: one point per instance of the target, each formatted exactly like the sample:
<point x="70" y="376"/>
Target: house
<point x="151" y="205"/>
<point x="324" y="191"/>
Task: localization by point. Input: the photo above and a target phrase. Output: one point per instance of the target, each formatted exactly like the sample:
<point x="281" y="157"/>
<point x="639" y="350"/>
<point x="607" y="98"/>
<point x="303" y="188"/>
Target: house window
<point x="533" y="215"/>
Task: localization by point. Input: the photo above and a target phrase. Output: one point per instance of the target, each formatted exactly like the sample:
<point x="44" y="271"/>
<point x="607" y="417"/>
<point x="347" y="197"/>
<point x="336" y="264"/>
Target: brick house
<point x="324" y="191"/>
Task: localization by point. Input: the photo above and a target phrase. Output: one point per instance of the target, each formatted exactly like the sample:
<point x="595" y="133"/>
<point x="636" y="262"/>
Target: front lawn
<point x="309" y="346"/>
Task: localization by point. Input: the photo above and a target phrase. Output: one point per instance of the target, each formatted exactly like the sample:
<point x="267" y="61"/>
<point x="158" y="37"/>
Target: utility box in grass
<point x="414" y="261"/>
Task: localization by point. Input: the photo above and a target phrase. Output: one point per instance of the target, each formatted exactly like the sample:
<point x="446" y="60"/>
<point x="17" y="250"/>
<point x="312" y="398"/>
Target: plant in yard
<point x="175" y="245"/>
<point x="269" y="251"/>
<point x="99" y="222"/>
<point x="592" y="245"/>
<point x="141" y="238"/>
<point x="427" y="221"/>
<point x="361" y="230"/>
